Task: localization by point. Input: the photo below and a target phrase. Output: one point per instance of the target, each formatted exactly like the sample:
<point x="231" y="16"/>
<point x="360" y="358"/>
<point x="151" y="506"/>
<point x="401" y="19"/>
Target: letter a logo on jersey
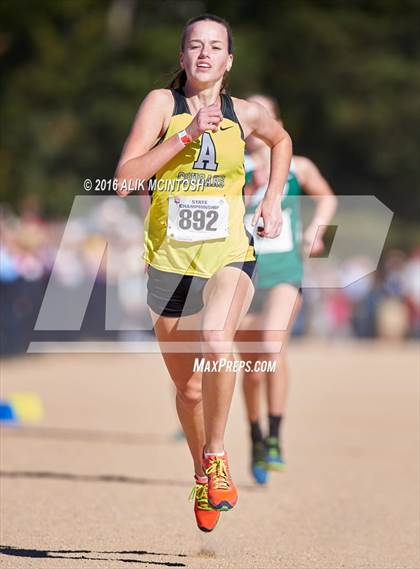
<point x="207" y="157"/>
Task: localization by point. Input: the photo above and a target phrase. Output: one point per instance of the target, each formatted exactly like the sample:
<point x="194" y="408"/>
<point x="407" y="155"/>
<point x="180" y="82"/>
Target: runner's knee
<point x="254" y="378"/>
<point x="217" y="342"/>
<point x="273" y="342"/>
<point x="190" y="396"/>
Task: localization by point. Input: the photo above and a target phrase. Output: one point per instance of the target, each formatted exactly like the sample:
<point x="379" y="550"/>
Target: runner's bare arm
<point x="140" y="158"/>
<point x="316" y="186"/>
<point x="257" y="121"/>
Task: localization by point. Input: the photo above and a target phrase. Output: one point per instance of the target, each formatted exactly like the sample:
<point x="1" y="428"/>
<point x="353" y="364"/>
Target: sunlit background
<point x="91" y="463"/>
<point x="346" y="76"/>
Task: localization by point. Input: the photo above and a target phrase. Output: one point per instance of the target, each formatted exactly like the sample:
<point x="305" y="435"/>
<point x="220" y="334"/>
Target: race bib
<point x="197" y="219"/>
<point x="281" y="244"/>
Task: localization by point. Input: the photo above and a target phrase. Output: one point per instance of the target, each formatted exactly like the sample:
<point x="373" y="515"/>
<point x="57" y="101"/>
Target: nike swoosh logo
<point x="226" y="127"/>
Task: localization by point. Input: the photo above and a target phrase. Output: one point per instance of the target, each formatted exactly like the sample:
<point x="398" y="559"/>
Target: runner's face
<point x="205" y="57"/>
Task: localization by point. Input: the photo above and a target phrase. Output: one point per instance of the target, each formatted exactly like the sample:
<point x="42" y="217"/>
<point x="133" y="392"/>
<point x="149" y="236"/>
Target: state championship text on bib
<point x="198" y="219"/>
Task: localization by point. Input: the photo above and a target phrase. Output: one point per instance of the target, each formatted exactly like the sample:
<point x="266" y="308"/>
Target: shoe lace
<point x="218" y="468"/>
<point x="199" y="492"/>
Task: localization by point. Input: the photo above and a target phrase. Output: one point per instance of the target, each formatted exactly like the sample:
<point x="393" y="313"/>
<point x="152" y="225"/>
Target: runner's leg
<point x="280" y="311"/>
<point x="252" y="381"/>
<point x="188" y="384"/>
<point x="227" y="297"/>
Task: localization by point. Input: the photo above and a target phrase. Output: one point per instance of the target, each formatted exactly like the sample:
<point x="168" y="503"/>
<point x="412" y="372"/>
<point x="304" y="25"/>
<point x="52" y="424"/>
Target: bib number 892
<point x="198" y="219"/>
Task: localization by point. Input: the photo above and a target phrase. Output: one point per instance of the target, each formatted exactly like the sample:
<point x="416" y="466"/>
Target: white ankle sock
<point x="201" y="479"/>
<point x="207" y="454"/>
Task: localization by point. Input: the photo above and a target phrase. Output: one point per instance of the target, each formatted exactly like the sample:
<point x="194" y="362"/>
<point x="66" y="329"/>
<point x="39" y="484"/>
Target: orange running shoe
<point x="205" y="516"/>
<point x="222" y="493"/>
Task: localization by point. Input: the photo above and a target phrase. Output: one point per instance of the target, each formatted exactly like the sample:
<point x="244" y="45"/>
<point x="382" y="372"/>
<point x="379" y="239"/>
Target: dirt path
<point x="102" y="482"/>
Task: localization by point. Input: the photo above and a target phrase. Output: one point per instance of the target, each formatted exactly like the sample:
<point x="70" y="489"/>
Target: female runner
<point x="277" y="299"/>
<point x="199" y="257"/>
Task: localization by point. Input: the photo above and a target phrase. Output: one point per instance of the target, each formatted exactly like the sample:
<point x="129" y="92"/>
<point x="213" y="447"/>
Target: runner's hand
<point x="207" y="118"/>
<point x="270" y="211"/>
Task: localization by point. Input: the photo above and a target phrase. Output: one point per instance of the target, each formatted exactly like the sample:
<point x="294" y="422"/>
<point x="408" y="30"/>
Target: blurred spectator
<point x="411" y="291"/>
<point x="385" y="303"/>
<point x="28" y="253"/>
<point x="363" y="296"/>
<point x="393" y="269"/>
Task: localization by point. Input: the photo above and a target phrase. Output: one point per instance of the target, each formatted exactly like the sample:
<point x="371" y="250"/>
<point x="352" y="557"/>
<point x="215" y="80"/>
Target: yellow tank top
<point x="195" y="224"/>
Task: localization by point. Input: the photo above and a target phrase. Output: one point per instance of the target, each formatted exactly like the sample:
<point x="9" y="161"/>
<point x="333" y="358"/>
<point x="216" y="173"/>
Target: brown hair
<point x="180" y="77"/>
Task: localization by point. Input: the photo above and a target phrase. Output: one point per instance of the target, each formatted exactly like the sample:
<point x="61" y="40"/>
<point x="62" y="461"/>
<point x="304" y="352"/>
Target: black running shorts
<point x="171" y="294"/>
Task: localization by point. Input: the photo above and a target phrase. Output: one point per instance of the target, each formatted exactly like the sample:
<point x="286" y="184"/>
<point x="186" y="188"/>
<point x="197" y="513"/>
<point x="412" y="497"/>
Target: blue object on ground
<point x="6" y="412"/>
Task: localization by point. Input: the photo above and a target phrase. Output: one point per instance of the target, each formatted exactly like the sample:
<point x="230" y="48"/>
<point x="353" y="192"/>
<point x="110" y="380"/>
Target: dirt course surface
<point x="103" y="483"/>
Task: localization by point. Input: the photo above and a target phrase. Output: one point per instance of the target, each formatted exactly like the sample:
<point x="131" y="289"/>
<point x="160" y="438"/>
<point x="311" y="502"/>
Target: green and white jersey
<point x="279" y="260"/>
